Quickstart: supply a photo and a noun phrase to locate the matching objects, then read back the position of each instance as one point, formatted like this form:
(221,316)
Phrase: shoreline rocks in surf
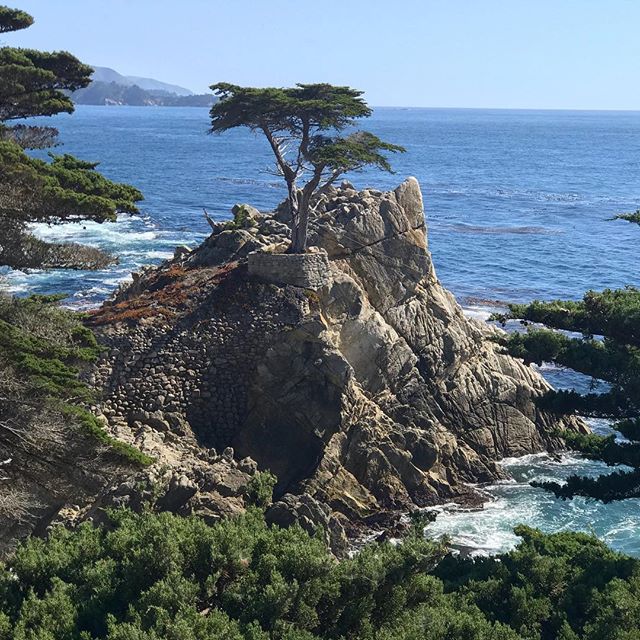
(372,394)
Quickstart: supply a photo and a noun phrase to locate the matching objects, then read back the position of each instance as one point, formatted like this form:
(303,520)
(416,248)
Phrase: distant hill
(108,87)
(104,74)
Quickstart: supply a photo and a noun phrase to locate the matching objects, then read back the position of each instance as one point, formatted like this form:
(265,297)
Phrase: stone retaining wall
(198,366)
(306,270)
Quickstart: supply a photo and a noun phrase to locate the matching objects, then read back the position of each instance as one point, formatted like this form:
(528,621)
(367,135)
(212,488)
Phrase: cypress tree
(303,125)
(32,84)
(607,348)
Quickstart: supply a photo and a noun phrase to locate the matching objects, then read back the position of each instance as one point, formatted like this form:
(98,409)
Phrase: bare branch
(332,178)
(209,219)
(19,433)
(288,173)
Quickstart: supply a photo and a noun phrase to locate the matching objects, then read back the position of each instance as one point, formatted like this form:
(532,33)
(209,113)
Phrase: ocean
(517,206)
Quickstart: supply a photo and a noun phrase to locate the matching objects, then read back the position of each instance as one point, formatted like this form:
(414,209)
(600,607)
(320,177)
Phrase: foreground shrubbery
(43,348)
(161,576)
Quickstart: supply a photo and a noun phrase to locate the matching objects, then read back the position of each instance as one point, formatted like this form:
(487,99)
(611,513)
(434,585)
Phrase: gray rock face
(311,515)
(372,393)
(186,478)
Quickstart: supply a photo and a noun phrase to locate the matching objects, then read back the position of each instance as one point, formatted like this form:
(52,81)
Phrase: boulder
(180,490)
(312,516)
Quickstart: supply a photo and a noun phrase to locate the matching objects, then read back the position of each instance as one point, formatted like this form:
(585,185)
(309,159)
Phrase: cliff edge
(349,372)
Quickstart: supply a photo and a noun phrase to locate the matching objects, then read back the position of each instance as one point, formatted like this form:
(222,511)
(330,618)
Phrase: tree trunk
(303,228)
(299,210)
(299,230)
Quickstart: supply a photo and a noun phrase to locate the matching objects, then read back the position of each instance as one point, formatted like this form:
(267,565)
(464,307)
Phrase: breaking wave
(490,530)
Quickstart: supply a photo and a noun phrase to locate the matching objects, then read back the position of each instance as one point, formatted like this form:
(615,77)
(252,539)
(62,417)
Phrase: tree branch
(209,219)
(287,171)
(303,149)
(336,173)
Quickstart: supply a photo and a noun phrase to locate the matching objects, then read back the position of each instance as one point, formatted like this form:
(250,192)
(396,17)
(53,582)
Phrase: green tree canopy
(34,83)
(304,126)
(13,19)
(629,217)
(609,350)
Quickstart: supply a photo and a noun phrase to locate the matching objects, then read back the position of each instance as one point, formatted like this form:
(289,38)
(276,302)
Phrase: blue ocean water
(516,201)
(517,206)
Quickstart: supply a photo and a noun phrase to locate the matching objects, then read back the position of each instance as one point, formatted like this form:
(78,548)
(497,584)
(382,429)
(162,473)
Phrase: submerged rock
(370,392)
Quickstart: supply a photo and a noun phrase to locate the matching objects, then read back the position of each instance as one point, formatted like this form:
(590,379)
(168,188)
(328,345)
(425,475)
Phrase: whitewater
(517,207)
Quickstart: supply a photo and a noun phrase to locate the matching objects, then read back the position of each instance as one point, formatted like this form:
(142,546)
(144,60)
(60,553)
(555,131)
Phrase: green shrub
(156,576)
(259,491)
(43,349)
(241,218)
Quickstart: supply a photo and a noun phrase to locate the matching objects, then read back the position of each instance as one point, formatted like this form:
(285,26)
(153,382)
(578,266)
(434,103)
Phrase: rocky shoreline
(350,373)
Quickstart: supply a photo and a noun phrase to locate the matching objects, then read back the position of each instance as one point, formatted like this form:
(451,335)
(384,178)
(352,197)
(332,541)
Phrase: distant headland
(110,88)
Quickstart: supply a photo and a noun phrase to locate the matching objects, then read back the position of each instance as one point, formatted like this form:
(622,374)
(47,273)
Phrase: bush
(153,576)
(43,349)
(241,218)
(259,491)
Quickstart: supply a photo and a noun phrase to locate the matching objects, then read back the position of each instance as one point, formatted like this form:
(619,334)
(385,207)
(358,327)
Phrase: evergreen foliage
(629,217)
(260,489)
(609,350)
(566,585)
(304,126)
(35,83)
(13,20)
(43,349)
(612,312)
(160,576)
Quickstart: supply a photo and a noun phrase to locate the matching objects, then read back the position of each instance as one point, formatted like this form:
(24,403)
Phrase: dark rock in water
(373,393)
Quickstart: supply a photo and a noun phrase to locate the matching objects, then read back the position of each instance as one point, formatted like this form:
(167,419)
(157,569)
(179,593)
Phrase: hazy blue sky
(431,53)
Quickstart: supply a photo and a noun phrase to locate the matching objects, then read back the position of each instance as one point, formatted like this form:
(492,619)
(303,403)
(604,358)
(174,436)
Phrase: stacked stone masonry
(199,366)
(307,270)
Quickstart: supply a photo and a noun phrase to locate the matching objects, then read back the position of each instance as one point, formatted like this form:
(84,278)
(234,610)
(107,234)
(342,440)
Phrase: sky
(536,54)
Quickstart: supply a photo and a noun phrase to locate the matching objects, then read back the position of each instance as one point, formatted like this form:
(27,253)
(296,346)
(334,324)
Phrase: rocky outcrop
(52,470)
(185,477)
(370,393)
(312,516)
(65,476)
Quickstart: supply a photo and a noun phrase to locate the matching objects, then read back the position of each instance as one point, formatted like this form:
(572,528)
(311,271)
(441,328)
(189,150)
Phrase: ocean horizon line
(523,109)
(404,107)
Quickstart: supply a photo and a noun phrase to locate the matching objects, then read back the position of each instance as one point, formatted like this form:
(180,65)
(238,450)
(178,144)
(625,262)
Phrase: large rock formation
(368,390)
